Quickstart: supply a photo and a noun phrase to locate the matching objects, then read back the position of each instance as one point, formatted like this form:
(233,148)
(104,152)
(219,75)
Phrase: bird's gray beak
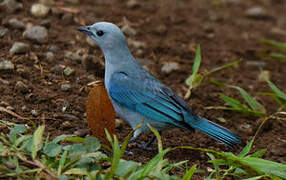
(85,29)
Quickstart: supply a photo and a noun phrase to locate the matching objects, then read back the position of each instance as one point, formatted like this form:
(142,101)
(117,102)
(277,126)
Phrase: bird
(139,97)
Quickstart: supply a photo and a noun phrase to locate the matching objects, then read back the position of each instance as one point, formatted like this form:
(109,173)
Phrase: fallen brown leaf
(99,112)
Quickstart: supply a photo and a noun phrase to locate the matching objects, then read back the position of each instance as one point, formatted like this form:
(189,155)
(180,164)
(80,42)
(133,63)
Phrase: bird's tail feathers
(216,131)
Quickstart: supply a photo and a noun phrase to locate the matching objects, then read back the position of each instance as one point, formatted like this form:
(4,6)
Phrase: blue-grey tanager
(137,96)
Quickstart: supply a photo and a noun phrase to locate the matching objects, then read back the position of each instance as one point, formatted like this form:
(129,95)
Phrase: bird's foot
(144,146)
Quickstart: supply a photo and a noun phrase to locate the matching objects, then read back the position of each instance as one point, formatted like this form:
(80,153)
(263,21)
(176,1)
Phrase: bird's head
(106,35)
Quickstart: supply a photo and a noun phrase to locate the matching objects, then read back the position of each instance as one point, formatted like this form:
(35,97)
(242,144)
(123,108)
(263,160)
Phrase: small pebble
(256,12)
(10,108)
(20,86)
(16,24)
(67,18)
(65,87)
(24,108)
(50,56)
(81,132)
(19,48)
(129,31)
(34,113)
(73,56)
(168,67)
(53,48)
(40,10)
(57,69)
(6,65)
(68,71)
(118,123)
(3,32)
(67,124)
(161,29)
(38,34)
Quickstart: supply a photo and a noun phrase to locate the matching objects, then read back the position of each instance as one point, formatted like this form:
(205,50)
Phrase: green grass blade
(246,149)
(190,173)
(159,139)
(62,162)
(216,167)
(276,90)
(228,65)
(234,103)
(275,44)
(278,56)
(252,102)
(37,140)
(197,61)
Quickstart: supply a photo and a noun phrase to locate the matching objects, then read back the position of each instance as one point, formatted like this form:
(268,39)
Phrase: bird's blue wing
(146,97)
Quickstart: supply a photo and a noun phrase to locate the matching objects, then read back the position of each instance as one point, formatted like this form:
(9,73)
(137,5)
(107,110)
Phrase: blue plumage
(138,97)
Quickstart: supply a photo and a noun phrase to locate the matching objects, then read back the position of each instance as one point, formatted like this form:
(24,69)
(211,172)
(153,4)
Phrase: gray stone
(50,56)
(40,10)
(3,32)
(168,67)
(38,34)
(16,24)
(73,56)
(19,48)
(6,65)
(256,12)
(34,113)
(68,71)
(65,87)
(81,132)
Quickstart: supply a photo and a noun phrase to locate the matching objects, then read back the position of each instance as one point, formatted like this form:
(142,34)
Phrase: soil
(170,30)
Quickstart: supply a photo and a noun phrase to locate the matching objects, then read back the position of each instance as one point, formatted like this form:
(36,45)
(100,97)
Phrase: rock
(50,56)
(67,124)
(40,10)
(38,34)
(133,3)
(6,65)
(90,42)
(16,24)
(136,44)
(3,32)
(81,132)
(73,56)
(19,48)
(256,13)
(21,87)
(65,87)
(12,5)
(168,67)
(129,31)
(68,71)
(34,113)
(118,123)
(247,128)
(57,69)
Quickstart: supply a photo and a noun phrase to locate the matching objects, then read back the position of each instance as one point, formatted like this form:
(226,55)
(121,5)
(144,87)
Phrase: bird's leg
(147,146)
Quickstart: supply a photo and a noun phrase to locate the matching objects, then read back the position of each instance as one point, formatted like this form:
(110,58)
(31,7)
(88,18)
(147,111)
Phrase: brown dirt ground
(220,27)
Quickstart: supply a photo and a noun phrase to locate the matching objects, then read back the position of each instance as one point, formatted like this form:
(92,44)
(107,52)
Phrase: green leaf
(259,153)
(91,144)
(17,129)
(22,139)
(158,137)
(37,141)
(216,167)
(62,162)
(276,44)
(52,149)
(228,65)
(246,149)
(190,173)
(278,56)
(276,90)
(2,147)
(197,61)
(252,102)
(63,137)
(126,167)
(76,150)
(233,102)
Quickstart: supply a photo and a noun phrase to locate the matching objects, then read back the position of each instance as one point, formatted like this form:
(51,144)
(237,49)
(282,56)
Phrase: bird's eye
(99,33)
